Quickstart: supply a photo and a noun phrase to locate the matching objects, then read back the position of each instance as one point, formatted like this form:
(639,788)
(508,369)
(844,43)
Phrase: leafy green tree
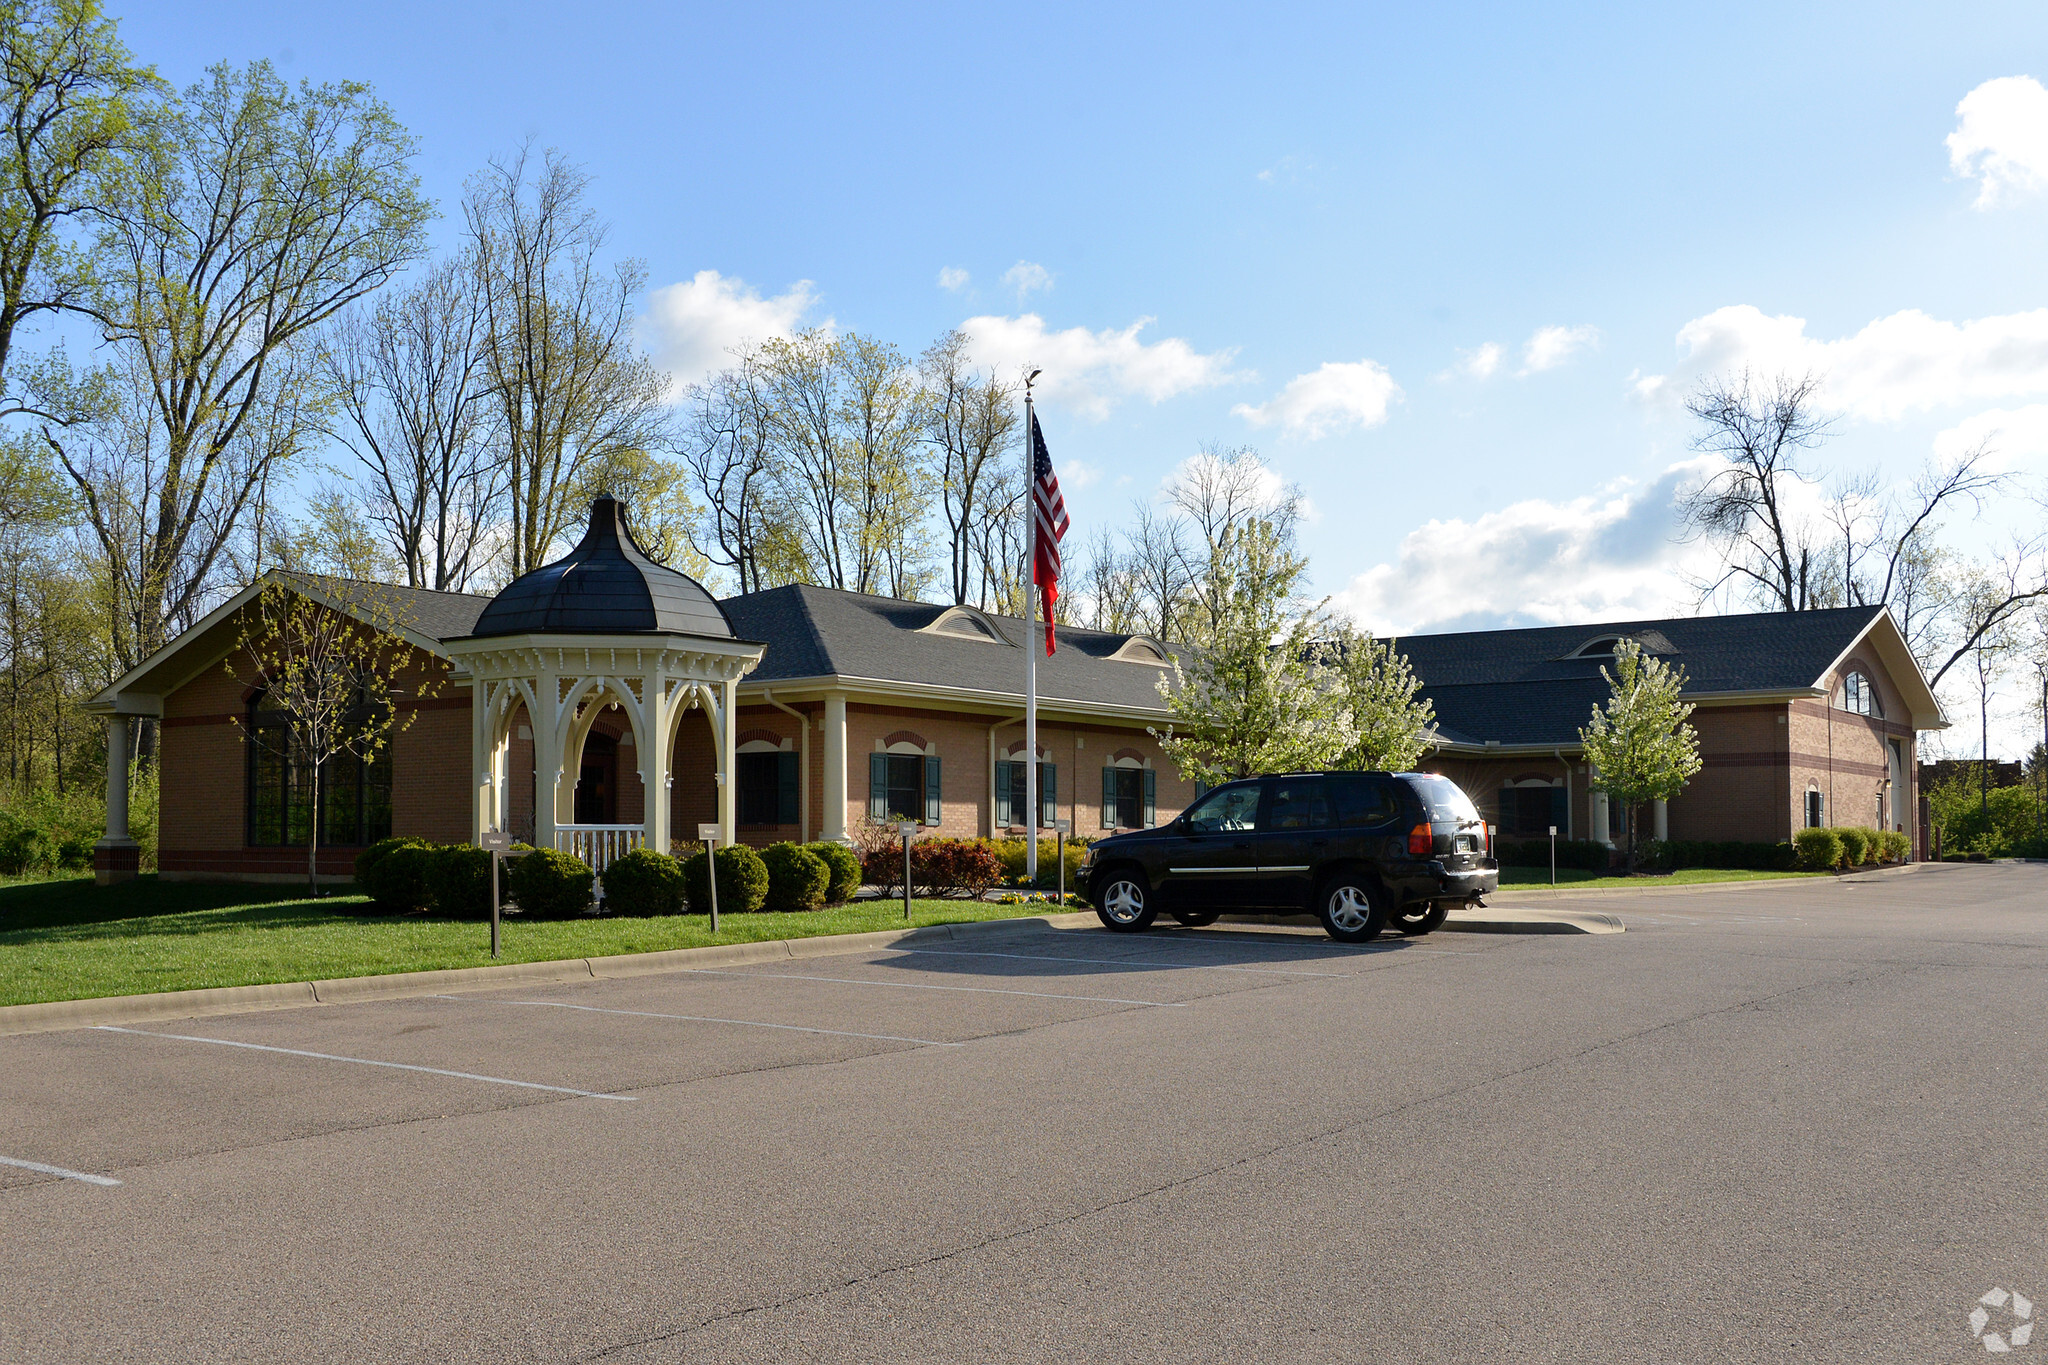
(1260,691)
(1639,743)
(1391,725)
(72,101)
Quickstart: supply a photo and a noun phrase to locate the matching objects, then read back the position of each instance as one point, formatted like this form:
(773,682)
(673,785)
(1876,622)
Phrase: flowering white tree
(1639,743)
(1391,725)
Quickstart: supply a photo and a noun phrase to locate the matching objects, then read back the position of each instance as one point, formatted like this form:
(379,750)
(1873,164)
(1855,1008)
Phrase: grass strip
(72,940)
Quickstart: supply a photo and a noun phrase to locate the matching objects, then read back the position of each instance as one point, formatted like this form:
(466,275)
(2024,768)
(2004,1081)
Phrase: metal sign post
(908,829)
(708,836)
(497,841)
(1059,834)
(1553,855)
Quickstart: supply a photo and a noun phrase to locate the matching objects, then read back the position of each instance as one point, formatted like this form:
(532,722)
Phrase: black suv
(1357,849)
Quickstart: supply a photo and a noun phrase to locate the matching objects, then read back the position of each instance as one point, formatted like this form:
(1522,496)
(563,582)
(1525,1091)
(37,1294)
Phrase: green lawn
(1649,881)
(70,940)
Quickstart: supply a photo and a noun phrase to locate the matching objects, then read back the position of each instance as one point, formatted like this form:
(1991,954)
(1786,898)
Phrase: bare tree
(1221,491)
(1108,584)
(1991,601)
(971,420)
(1160,570)
(1760,430)
(725,443)
(413,404)
(571,387)
(261,214)
(807,403)
(888,494)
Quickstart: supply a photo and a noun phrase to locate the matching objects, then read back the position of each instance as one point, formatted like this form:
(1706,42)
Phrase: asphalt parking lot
(1765,1124)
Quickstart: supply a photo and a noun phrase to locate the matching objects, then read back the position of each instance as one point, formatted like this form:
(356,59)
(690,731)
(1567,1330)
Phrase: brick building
(828,709)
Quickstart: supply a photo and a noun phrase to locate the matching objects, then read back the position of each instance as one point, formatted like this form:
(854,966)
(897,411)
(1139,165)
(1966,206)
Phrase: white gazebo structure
(603,626)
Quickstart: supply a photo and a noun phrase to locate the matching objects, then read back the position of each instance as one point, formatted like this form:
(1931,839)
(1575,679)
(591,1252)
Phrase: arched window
(355,795)
(1859,694)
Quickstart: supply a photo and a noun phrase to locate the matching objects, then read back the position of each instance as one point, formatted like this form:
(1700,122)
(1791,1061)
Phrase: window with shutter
(1008,778)
(932,809)
(878,786)
(1151,798)
(1048,794)
(787,797)
(1109,798)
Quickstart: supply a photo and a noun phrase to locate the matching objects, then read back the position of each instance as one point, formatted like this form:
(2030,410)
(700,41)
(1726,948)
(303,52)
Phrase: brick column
(116,857)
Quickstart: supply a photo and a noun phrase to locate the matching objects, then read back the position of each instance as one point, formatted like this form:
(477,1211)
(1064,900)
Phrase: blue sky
(1619,199)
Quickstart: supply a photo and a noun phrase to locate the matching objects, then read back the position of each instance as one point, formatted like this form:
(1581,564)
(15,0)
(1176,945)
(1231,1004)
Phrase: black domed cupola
(606,585)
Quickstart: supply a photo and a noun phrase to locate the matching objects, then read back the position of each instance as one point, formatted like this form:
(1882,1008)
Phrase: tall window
(1816,812)
(904,787)
(355,796)
(1013,803)
(1860,696)
(768,789)
(1531,811)
(1129,798)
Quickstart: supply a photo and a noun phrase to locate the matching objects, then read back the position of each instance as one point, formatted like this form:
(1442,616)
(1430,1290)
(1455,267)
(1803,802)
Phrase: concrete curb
(1510,895)
(1510,920)
(52,1015)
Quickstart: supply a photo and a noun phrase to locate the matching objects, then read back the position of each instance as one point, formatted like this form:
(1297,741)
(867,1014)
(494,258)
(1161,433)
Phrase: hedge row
(405,875)
(1663,855)
(1822,850)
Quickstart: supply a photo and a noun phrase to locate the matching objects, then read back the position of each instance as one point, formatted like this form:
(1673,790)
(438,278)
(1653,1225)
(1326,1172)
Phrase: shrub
(1855,844)
(844,865)
(797,878)
(1898,845)
(396,877)
(958,867)
(1011,853)
(1588,855)
(742,881)
(459,880)
(550,884)
(644,882)
(1819,849)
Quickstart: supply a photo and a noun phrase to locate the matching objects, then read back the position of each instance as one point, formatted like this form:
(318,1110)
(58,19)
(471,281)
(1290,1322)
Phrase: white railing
(599,845)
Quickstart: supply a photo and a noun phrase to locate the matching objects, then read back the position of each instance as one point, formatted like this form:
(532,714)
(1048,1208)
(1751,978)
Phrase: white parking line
(1117,962)
(707,1019)
(927,986)
(58,1170)
(367,1061)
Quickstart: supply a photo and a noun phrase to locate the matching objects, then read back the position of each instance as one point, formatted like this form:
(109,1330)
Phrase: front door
(597,799)
(1210,863)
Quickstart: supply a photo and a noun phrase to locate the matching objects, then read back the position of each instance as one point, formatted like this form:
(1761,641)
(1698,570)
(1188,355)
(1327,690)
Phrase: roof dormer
(966,623)
(1142,649)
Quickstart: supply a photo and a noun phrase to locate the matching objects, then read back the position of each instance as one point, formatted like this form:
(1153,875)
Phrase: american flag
(1048,525)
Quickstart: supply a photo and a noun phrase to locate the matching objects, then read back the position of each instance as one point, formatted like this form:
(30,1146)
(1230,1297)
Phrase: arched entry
(597,781)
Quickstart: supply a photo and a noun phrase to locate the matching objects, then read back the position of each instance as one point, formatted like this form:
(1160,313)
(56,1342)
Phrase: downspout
(803,746)
(1568,812)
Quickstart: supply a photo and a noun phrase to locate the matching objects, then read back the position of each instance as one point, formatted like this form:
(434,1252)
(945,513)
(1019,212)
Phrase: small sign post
(708,835)
(1553,855)
(908,829)
(1059,834)
(497,841)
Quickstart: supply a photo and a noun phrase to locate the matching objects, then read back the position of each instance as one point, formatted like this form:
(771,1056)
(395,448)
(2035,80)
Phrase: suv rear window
(1443,798)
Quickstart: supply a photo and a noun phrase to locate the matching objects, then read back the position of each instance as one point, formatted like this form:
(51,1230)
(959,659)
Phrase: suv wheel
(1353,909)
(1125,903)
(1417,920)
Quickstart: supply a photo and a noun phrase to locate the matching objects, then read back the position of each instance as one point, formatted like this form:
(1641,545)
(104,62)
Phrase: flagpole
(1030,637)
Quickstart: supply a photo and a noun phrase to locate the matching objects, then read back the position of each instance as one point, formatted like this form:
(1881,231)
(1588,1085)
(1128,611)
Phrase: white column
(654,767)
(728,758)
(1601,830)
(115,855)
(834,822)
(547,759)
(1660,820)
(483,759)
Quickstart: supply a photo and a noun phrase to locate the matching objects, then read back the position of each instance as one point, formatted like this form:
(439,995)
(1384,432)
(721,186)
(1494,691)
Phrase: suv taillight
(1421,842)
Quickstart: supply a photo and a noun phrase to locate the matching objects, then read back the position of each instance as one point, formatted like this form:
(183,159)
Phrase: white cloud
(1898,364)
(1337,397)
(691,327)
(2017,437)
(952,278)
(1481,361)
(2001,138)
(1609,555)
(1026,277)
(1092,370)
(1078,474)
(1549,347)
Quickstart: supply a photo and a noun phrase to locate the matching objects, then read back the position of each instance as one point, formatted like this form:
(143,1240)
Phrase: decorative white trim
(980,628)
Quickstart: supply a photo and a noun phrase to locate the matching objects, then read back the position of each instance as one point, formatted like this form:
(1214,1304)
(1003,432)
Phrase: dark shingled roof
(606,585)
(1522,686)
(812,632)
(436,615)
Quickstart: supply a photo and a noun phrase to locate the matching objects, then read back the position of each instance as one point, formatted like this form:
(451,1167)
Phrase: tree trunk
(313,839)
(1628,825)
